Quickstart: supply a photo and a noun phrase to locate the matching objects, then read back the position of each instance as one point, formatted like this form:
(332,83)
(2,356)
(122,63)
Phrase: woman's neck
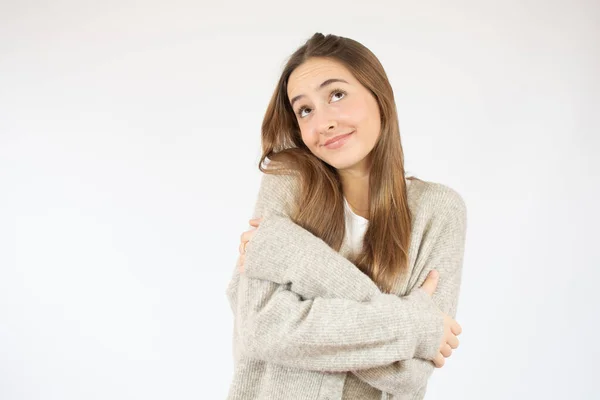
(356,191)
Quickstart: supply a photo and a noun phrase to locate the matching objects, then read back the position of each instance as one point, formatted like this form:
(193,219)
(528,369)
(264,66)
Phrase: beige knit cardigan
(309,325)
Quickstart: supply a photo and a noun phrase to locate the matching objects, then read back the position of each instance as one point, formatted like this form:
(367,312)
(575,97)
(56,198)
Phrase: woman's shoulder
(435,199)
(277,193)
(280,184)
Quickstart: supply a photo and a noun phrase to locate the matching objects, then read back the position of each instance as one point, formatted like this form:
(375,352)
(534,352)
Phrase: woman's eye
(332,94)
(300,111)
(339,92)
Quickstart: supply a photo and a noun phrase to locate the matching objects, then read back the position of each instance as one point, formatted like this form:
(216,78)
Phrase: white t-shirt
(356,226)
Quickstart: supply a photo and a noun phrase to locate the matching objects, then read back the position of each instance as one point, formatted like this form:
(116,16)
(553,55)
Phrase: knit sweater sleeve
(407,379)
(305,275)
(324,333)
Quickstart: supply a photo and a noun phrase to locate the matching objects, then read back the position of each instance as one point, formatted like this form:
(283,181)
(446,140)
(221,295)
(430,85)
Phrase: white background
(129,138)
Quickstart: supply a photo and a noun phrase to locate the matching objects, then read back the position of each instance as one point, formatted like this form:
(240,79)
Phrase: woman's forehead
(310,75)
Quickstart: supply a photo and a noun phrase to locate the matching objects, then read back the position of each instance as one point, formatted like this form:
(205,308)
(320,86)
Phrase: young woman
(332,295)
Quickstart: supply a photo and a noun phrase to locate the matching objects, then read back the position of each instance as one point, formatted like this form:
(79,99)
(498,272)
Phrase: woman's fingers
(456,328)
(244,239)
(431,282)
(440,359)
(247,235)
(453,342)
(446,350)
(255,221)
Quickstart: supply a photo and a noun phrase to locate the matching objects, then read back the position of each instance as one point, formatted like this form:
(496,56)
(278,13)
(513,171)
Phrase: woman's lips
(338,141)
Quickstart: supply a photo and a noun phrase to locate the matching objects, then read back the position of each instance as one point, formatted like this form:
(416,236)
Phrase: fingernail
(433,274)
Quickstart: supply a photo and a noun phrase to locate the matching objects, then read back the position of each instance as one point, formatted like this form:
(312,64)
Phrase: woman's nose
(326,123)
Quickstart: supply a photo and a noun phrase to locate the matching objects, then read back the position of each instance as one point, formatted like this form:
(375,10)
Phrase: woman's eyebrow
(321,86)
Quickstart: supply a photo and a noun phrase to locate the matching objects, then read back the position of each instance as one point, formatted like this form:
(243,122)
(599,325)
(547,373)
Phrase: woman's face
(326,108)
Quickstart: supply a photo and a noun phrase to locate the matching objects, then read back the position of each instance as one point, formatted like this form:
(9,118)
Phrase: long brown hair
(384,255)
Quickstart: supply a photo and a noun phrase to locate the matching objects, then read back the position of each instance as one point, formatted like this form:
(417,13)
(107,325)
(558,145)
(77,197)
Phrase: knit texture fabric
(308,324)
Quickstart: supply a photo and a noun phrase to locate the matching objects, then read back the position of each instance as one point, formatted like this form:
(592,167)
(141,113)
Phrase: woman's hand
(451,328)
(246,236)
